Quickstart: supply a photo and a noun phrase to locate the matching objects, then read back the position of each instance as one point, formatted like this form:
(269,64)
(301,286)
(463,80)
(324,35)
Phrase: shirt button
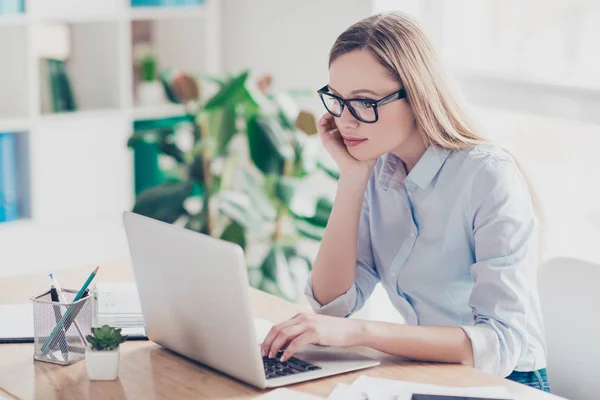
(412,235)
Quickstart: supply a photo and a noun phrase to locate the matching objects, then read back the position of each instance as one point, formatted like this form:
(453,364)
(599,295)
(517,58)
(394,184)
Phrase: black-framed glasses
(364,110)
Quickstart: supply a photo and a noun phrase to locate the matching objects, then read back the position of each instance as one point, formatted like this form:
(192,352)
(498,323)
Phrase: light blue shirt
(454,243)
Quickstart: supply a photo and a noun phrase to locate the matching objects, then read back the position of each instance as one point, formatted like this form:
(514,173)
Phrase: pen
(57,316)
(64,300)
(52,336)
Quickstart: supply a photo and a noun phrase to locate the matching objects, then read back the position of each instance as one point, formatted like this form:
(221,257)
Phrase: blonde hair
(400,46)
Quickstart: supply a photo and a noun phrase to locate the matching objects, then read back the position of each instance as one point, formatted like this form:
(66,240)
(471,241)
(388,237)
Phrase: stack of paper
(367,387)
(117,304)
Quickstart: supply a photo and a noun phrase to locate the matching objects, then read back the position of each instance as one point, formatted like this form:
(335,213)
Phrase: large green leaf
(222,127)
(229,93)
(322,212)
(163,202)
(235,233)
(285,190)
(239,208)
(269,144)
(276,268)
(307,151)
(256,192)
(309,230)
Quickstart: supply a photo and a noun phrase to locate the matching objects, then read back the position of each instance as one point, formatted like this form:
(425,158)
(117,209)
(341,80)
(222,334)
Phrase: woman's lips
(351,142)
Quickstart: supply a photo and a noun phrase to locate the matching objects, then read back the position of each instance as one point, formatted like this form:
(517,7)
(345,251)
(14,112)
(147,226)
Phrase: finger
(325,123)
(296,344)
(266,344)
(284,337)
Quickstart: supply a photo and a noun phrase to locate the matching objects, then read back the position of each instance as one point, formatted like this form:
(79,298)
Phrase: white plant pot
(151,93)
(102,365)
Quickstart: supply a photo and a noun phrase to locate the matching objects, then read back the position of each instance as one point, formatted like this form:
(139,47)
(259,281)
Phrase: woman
(425,206)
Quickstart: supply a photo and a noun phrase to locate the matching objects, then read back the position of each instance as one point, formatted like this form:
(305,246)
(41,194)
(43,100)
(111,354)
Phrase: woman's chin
(362,154)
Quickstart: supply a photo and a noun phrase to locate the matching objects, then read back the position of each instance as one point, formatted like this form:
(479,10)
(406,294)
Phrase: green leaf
(167,146)
(229,93)
(269,144)
(197,166)
(256,192)
(238,207)
(329,167)
(222,126)
(270,286)
(307,151)
(276,268)
(143,136)
(212,78)
(285,190)
(322,212)
(163,202)
(309,230)
(235,233)
(255,277)
(165,78)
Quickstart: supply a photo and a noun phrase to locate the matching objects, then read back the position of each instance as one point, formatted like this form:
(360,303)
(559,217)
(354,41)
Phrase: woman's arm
(425,343)
(334,269)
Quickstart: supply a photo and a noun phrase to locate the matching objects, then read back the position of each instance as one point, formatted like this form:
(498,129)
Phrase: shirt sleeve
(505,239)
(366,276)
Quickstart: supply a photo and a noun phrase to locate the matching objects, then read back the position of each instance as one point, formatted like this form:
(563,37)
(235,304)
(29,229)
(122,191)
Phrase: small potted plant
(150,90)
(102,356)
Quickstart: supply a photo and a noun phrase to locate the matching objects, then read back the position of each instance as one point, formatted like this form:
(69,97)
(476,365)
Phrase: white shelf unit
(74,167)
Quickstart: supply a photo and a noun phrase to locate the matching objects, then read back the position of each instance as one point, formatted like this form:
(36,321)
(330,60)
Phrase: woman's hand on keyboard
(307,328)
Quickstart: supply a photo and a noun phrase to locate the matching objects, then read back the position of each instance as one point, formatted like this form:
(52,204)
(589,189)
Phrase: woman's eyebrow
(356,91)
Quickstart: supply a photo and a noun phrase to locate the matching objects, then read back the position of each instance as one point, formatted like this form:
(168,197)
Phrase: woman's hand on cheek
(334,144)
(305,329)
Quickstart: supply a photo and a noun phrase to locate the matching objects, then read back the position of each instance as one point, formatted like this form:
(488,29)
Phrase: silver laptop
(195,299)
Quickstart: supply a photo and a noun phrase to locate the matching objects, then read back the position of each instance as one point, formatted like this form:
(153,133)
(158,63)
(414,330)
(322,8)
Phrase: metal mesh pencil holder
(60,329)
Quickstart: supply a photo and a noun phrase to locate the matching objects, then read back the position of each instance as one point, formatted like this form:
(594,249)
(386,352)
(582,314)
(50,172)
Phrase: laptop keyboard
(274,368)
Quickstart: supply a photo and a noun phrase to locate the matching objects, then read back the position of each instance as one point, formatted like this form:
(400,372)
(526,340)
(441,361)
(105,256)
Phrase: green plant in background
(106,338)
(238,174)
(148,63)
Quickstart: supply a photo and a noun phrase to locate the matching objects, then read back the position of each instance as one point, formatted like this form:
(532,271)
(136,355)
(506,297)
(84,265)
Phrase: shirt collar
(423,172)
(428,166)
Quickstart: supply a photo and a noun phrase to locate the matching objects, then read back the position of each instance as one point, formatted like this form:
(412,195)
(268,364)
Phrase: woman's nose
(347,119)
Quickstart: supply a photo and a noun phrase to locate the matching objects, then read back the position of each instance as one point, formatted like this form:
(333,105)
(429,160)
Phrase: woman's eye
(366,104)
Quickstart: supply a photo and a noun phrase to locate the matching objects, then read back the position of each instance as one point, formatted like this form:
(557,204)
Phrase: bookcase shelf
(167,12)
(75,171)
(13,77)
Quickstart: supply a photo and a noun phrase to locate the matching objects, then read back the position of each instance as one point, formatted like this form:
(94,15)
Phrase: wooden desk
(148,371)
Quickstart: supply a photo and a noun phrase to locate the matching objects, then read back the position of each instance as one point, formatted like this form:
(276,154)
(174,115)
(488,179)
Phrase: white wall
(289,39)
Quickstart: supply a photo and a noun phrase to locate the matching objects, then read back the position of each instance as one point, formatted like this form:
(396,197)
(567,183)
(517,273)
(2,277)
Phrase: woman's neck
(411,151)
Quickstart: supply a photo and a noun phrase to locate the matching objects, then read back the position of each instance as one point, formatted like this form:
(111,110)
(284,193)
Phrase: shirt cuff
(341,306)
(486,347)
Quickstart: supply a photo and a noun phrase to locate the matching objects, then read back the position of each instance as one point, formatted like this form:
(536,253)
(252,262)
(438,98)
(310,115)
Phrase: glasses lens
(332,104)
(364,110)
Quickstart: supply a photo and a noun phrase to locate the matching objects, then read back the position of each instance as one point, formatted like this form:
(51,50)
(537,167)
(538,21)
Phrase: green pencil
(66,315)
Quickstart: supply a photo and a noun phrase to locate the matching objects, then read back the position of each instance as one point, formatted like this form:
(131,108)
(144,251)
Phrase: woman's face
(358,74)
